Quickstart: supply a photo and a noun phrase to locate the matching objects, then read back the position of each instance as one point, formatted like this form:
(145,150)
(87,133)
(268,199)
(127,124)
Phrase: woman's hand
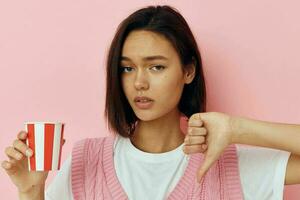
(209,133)
(17,166)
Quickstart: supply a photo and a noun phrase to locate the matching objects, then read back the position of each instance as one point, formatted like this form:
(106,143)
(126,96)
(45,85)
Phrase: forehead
(140,44)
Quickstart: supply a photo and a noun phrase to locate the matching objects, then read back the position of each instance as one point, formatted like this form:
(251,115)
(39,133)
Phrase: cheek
(170,92)
(126,88)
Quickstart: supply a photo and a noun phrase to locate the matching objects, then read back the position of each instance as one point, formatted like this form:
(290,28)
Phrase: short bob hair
(168,22)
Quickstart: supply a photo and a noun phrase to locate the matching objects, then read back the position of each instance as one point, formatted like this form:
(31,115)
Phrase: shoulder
(87,149)
(91,143)
(260,158)
(89,157)
(257,153)
(262,171)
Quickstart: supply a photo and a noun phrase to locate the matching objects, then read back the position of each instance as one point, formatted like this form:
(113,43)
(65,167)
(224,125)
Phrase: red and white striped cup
(46,140)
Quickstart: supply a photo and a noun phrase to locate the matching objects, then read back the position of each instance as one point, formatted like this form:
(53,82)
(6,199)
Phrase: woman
(155,79)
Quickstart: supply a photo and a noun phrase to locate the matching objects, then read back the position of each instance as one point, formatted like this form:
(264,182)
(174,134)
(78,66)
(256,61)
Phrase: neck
(159,135)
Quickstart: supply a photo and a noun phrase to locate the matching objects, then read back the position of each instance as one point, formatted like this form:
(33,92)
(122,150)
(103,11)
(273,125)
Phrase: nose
(141,81)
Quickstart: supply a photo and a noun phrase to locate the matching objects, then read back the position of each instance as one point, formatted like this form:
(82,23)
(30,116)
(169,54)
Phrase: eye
(123,69)
(158,67)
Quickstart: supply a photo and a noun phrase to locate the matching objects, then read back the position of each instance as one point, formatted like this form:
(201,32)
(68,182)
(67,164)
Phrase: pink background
(52,56)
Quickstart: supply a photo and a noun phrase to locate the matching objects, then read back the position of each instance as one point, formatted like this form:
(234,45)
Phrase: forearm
(266,134)
(36,193)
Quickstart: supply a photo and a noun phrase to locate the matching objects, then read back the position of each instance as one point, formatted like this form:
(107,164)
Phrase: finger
(12,153)
(12,160)
(191,149)
(22,135)
(209,160)
(197,131)
(193,140)
(9,168)
(22,147)
(5,164)
(195,120)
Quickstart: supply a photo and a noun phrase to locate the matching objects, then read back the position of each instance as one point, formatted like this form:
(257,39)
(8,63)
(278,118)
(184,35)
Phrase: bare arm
(272,135)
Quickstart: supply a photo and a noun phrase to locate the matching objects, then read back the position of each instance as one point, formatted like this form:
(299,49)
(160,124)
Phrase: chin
(146,115)
(150,114)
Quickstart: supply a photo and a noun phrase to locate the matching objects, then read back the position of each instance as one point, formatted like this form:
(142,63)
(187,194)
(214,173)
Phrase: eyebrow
(149,58)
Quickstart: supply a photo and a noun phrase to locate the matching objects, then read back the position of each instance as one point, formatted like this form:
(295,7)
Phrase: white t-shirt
(262,172)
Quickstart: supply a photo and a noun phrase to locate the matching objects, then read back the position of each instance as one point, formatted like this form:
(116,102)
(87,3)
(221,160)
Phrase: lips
(142,99)
(143,102)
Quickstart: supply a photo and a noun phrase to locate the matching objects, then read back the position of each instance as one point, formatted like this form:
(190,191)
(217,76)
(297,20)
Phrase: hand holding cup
(20,157)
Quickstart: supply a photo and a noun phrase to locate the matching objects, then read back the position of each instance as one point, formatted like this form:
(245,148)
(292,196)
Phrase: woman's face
(160,78)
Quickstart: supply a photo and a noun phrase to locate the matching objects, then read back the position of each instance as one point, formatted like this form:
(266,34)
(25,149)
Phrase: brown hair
(168,22)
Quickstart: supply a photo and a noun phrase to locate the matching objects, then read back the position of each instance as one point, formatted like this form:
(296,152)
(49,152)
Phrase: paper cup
(45,139)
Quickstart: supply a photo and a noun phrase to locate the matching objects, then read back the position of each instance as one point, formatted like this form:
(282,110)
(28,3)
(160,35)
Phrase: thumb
(208,162)
(64,141)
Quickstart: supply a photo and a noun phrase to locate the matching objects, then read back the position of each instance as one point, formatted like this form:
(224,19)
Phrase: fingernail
(199,179)
(28,152)
(19,156)
(7,165)
(183,148)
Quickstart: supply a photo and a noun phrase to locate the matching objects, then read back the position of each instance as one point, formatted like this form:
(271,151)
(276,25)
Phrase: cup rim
(43,122)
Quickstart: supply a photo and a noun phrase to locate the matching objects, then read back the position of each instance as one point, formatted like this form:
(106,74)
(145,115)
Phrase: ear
(189,72)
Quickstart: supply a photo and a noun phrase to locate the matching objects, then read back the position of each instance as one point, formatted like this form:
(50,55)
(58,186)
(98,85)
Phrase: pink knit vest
(94,176)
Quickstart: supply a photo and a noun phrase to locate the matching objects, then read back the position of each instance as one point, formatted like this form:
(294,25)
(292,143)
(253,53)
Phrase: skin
(209,133)
(223,130)
(158,129)
(30,184)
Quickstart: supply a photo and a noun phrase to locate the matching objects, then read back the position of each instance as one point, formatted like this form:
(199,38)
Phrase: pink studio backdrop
(52,57)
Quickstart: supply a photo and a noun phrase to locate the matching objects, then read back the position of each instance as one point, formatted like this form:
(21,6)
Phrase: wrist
(236,129)
(36,192)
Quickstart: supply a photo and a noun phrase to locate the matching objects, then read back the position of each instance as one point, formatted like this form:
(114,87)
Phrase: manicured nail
(28,152)
(7,165)
(199,179)
(19,156)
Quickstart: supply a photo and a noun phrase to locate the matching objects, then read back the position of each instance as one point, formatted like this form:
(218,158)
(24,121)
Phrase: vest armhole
(231,176)
(79,152)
